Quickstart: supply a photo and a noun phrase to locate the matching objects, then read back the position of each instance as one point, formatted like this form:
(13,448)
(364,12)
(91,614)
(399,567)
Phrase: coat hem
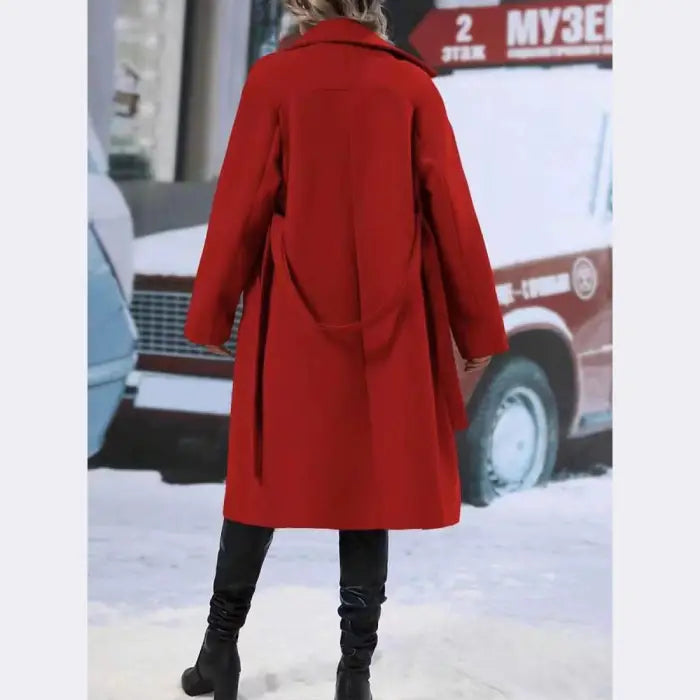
(311,524)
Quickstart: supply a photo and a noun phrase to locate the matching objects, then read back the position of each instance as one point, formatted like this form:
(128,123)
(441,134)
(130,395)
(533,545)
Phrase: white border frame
(43,140)
(656,473)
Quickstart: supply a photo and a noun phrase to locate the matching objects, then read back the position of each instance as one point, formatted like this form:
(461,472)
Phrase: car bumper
(106,385)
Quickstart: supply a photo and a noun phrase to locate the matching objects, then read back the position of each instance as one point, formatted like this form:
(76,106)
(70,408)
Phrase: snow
(173,392)
(289,650)
(514,602)
(175,252)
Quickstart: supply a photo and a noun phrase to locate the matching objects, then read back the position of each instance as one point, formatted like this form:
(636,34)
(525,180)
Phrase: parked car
(536,146)
(111,331)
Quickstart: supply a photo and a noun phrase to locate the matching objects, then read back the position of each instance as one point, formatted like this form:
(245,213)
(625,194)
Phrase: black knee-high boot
(242,551)
(363,572)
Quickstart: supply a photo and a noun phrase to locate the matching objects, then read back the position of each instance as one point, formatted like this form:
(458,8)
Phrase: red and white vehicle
(535,143)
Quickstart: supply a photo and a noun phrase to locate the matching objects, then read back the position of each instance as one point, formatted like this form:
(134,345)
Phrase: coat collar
(341,30)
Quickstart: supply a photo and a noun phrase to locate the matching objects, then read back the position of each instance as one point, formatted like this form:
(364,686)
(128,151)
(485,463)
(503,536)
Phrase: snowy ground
(514,602)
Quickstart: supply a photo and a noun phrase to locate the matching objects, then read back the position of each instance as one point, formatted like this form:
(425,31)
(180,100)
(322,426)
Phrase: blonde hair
(308,13)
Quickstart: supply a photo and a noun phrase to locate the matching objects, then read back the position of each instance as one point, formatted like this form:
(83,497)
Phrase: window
(265,25)
(146,102)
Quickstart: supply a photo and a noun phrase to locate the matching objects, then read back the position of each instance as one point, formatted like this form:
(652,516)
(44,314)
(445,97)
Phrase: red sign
(541,32)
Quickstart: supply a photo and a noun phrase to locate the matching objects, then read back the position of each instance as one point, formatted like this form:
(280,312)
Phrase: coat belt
(424,252)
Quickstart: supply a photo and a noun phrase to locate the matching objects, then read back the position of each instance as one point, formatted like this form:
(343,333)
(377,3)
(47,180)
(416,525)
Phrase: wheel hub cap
(518,444)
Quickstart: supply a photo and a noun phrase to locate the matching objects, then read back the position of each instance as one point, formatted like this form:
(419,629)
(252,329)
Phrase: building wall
(217,67)
(180,136)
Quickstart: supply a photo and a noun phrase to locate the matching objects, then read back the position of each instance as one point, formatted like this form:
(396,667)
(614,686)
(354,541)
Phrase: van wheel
(513,437)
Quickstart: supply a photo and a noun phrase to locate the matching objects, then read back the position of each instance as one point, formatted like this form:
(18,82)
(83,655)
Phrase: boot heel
(217,669)
(227,688)
(229,673)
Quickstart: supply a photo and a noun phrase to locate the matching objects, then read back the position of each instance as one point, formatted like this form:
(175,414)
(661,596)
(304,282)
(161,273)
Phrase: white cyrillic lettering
(523,28)
(479,52)
(608,22)
(464,22)
(549,18)
(595,20)
(573,33)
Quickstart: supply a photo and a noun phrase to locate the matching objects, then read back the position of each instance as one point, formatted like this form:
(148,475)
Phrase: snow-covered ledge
(172,253)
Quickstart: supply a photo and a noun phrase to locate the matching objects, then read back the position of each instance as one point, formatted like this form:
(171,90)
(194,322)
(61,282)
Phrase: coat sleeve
(241,213)
(475,315)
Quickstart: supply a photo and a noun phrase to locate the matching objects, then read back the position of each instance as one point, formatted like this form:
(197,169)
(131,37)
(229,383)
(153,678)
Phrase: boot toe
(193,684)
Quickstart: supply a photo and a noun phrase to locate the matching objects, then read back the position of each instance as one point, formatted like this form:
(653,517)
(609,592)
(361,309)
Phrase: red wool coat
(343,215)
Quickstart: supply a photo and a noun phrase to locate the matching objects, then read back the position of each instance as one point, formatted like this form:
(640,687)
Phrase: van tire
(512,441)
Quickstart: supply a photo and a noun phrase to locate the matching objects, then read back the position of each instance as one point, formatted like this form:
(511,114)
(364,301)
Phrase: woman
(343,216)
